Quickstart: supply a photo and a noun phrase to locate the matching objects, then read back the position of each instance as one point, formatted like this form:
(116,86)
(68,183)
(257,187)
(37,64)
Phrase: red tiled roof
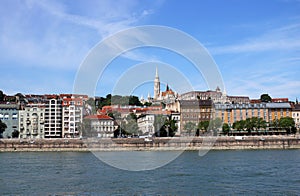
(99,117)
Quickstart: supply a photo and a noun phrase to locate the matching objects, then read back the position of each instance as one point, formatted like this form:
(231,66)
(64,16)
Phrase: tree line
(253,124)
(256,124)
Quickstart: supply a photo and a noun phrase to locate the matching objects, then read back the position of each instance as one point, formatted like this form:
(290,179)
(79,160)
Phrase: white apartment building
(72,114)
(53,118)
(296,115)
(101,126)
(146,123)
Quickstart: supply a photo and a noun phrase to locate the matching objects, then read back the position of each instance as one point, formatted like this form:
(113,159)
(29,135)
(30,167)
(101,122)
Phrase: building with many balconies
(32,121)
(53,117)
(72,114)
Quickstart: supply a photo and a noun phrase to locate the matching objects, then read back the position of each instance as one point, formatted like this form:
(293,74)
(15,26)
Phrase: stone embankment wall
(197,143)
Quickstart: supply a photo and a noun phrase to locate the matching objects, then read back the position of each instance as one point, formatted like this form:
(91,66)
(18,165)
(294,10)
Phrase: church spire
(156,85)
(156,73)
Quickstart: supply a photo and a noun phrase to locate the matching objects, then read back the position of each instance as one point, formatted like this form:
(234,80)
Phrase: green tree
(159,121)
(225,129)
(261,124)
(287,123)
(85,128)
(131,126)
(171,127)
(239,125)
(15,134)
(114,114)
(275,124)
(118,130)
(91,102)
(249,125)
(216,123)
(203,125)
(147,104)
(265,98)
(189,127)
(2,128)
(2,95)
(134,100)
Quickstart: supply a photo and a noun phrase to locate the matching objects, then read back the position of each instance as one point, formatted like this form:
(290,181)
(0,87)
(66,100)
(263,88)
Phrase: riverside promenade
(155,144)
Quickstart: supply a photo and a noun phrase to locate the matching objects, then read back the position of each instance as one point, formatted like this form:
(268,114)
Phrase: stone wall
(197,143)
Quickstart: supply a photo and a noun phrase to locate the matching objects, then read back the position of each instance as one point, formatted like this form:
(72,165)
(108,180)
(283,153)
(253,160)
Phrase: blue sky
(256,44)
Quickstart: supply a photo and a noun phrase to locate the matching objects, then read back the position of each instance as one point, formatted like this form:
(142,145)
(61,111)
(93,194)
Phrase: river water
(247,172)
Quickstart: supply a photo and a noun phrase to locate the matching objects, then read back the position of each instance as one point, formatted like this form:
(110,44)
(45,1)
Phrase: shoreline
(152,144)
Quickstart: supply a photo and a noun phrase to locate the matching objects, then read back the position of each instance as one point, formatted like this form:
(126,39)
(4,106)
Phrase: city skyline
(255,44)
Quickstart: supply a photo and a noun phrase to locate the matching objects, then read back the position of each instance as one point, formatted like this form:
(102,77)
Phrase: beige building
(216,96)
(31,121)
(230,113)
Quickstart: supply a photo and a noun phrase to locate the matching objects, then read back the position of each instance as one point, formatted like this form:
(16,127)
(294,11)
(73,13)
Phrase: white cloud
(53,34)
(283,38)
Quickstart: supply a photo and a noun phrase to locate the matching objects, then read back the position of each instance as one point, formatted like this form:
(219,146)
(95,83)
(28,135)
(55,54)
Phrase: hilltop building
(167,96)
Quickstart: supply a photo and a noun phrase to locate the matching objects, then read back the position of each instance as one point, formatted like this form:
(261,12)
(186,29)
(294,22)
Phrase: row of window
(7,116)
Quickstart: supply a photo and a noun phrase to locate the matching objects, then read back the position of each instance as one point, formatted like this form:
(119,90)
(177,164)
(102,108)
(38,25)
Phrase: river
(250,172)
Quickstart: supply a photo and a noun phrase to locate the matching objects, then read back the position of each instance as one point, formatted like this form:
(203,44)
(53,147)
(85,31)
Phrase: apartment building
(230,113)
(53,117)
(195,111)
(9,115)
(145,123)
(72,113)
(296,115)
(32,121)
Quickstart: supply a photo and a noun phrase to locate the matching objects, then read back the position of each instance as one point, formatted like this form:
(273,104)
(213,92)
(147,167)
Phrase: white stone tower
(156,86)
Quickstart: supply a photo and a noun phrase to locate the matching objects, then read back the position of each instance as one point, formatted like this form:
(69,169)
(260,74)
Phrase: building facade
(231,113)
(145,123)
(72,110)
(102,126)
(9,115)
(216,96)
(53,118)
(296,115)
(195,111)
(32,121)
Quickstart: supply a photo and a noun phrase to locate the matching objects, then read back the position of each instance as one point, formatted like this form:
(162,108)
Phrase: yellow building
(230,113)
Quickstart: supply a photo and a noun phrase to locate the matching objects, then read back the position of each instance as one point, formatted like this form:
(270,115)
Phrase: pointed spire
(167,89)
(296,100)
(156,73)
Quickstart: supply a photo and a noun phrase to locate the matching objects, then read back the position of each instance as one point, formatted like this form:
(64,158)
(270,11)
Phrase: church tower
(156,86)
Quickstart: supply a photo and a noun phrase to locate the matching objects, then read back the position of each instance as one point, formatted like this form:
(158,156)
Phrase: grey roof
(8,106)
(296,107)
(278,105)
(195,102)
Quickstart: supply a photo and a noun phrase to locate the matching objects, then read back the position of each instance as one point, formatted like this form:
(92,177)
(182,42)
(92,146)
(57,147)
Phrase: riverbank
(156,144)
